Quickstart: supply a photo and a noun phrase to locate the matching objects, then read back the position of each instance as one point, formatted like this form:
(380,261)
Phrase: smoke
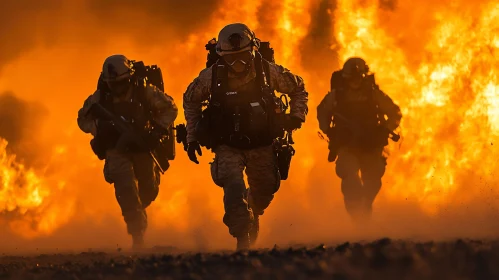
(23,23)
(319,43)
(28,24)
(53,54)
(152,21)
(20,122)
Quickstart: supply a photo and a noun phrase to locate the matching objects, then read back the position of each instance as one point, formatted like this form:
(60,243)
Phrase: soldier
(236,126)
(357,108)
(134,173)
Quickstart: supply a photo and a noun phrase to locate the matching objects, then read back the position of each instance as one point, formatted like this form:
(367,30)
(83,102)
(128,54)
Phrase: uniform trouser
(136,181)
(359,191)
(260,165)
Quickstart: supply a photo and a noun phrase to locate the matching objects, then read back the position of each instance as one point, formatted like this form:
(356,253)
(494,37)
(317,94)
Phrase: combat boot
(243,242)
(255,228)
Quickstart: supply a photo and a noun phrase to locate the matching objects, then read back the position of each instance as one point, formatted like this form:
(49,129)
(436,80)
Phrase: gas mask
(355,82)
(239,63)
(120,87)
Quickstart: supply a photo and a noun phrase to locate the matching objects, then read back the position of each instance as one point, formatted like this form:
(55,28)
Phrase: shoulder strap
(262,68)
(219,76)
(266,69)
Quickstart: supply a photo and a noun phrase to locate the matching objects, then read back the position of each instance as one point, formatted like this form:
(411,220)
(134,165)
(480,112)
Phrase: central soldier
(240,125)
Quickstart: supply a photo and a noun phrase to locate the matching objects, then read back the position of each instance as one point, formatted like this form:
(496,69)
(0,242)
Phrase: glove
(292,123)
(192,148)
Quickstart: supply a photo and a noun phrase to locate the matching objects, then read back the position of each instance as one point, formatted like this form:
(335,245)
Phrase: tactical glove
(192,148)
(292,123)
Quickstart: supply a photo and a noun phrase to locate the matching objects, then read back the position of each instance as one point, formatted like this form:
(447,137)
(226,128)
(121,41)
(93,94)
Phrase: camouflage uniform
(260,163)
(359,191)
(135,176)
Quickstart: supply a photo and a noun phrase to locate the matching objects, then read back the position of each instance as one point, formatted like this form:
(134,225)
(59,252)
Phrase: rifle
(128,135)
(357,131)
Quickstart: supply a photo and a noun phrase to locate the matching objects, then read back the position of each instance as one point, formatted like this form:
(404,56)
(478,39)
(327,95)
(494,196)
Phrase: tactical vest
(134,110)
(362,111)
(241,117)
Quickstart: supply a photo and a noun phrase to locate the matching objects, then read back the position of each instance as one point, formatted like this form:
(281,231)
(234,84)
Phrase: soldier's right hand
(191,151)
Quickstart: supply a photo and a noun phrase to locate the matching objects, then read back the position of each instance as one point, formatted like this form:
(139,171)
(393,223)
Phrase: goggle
(232,58)
(119,83)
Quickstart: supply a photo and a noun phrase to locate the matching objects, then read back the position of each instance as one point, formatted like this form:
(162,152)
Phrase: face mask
(355,82)
(119,88)
(239,62)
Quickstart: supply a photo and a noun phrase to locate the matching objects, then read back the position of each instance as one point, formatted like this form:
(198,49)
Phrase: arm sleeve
(388,108)
(86,121)
(162,105)
(197,92)
(325,111)
(283,81)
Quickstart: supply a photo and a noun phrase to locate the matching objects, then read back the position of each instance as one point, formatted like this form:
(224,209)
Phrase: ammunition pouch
(162,144)
(105,139)
(163,140)
(98,148)
(284,155)
(162,156)
(206,131)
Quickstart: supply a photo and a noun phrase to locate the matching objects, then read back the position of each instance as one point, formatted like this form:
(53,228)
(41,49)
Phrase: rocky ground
(383,259)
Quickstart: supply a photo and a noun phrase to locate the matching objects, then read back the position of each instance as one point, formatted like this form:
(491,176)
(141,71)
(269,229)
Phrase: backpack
(265,50)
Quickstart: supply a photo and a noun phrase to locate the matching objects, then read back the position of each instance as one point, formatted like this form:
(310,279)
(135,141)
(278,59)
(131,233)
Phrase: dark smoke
(20,23)
(390,5)
(20,122)
(318,56)
(172,17)
(26,24)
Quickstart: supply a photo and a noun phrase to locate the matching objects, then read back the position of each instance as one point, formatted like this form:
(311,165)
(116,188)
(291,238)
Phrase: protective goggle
(244,57)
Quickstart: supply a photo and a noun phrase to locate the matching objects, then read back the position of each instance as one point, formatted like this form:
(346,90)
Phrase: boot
(243,242)
(255,228)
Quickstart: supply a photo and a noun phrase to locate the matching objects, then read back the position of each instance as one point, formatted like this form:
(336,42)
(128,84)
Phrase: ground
(382,259)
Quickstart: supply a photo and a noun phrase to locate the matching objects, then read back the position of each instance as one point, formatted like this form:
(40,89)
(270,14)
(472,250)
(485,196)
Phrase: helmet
(235,38)
(236,45)
(354,67)
(116,68)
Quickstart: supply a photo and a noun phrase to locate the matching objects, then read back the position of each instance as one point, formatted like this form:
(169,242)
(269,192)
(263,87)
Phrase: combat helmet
(354,67)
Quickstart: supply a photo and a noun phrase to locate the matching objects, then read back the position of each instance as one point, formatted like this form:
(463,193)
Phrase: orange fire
(450,98)
(439,62)
(26,198)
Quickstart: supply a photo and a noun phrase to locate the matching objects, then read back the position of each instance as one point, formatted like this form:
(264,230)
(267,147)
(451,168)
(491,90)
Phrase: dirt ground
(381,259)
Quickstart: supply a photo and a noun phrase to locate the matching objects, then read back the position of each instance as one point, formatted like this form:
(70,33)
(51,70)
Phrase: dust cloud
(52,55)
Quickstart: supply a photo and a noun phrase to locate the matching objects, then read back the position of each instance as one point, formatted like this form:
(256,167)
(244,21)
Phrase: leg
(263,178)
(148,177)
(347,168)
(227,172)
(264,182)
(372,166)
(119,170)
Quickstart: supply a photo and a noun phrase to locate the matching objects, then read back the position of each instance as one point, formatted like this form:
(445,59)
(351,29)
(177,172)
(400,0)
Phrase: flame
(437,61)
(24,196)
(449,100)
